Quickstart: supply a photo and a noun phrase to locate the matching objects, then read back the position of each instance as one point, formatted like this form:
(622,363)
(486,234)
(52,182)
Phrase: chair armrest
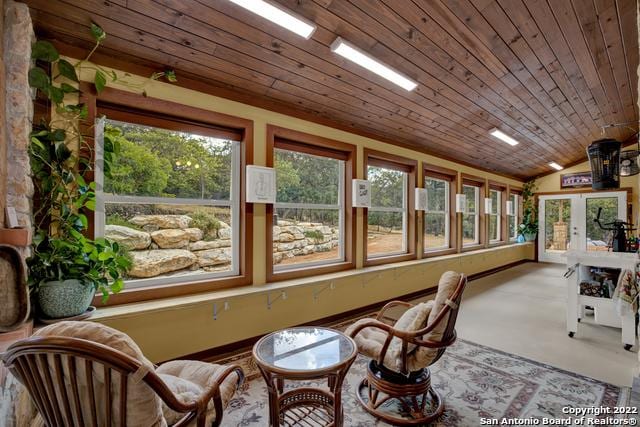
(198,408)
(214,390)
(390,305)
(374,323)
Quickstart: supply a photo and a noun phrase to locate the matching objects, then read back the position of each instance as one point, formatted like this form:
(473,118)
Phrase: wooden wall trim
(317,144)
(410,167)
(451,176)
(171,109)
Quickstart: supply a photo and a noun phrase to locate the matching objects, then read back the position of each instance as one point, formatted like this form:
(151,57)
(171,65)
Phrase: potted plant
(67,267)
(529,227)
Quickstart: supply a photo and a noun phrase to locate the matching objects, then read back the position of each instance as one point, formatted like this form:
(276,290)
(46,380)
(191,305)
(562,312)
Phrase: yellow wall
(551,183)
(166,331)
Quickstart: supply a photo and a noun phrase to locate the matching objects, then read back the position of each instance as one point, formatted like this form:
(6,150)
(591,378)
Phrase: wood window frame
(481,183)
(392,161)
(503,188)
(511,191)
(190,117)
(279,137)
(451,176)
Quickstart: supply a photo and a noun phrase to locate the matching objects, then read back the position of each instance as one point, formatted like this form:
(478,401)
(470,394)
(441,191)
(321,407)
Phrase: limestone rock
(285,237)
(195,234)
(211,257)
(203,245)
(284,247)
(156,262)
(224,233)
(325,247)
(292,229)
(170,239)
(161,221)
(277,257)
(127,237)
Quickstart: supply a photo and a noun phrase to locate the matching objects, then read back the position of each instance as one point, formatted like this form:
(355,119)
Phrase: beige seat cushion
(446,287)
(189,379)
(143,405)
(371,340)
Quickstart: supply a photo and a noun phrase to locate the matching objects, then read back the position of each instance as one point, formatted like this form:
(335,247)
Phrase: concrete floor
(522,311)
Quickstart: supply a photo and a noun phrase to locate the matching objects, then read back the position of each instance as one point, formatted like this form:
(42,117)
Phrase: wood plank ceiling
(549,73)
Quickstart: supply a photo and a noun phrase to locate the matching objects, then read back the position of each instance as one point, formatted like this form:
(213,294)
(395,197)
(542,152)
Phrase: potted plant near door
(67,267)
(529,227)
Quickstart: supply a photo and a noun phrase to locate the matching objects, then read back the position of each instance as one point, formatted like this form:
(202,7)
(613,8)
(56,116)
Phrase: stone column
(18,109)
(3,145)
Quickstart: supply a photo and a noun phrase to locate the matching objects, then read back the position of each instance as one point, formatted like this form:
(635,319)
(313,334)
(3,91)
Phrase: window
(436,217)
(309,211)
(439,220)
(390,218)
(471,216)
(513,216)
(495,216)
(172,198)
(310,225)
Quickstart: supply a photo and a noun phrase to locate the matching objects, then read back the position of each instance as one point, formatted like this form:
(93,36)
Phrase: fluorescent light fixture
(352,53)
(556,166)
(278,16)
(497,133)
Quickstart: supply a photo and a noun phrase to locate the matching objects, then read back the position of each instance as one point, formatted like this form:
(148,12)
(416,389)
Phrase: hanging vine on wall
(529,224)
(60,159)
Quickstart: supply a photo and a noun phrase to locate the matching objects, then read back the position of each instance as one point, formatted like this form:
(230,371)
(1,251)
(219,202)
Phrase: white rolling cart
(604,308)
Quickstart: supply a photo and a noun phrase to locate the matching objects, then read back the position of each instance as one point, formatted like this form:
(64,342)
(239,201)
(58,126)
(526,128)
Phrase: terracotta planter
(62,299)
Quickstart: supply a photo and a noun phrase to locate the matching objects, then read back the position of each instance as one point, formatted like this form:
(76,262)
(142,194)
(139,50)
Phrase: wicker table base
(308,406)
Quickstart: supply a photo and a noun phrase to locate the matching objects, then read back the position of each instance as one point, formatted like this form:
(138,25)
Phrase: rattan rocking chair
(400,359)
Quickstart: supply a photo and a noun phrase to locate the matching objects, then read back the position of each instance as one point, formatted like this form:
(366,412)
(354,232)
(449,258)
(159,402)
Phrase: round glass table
(305,353)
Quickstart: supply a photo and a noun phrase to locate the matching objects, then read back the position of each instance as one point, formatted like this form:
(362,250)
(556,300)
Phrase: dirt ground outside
(380,243)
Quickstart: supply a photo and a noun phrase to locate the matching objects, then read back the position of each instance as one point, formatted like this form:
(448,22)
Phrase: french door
(566,222)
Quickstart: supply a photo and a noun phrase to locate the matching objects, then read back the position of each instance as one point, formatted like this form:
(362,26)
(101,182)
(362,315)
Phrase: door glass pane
(557,225)
(597,238)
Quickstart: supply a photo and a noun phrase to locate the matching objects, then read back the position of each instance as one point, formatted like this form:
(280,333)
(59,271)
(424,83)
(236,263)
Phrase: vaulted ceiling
(549,73)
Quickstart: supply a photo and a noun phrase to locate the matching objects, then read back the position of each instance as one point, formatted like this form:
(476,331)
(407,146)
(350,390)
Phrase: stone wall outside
(169,244)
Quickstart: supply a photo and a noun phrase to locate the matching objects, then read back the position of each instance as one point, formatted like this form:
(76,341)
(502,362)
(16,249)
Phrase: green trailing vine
(60,159)
(529,209)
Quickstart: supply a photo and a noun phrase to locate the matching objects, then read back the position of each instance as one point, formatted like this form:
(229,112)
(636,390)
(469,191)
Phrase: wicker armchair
(87,374)
(402,353)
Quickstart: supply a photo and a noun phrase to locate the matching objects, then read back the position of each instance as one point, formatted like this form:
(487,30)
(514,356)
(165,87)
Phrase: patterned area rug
(476,382)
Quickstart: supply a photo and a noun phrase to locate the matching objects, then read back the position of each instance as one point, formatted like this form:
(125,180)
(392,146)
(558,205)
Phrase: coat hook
(283,296)
(324,288)
(215,309)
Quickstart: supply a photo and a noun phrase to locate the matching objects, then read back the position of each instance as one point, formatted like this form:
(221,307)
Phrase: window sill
(439,252)
(389,259)
(220,296)
(496,243)
(472,247)
(306,271)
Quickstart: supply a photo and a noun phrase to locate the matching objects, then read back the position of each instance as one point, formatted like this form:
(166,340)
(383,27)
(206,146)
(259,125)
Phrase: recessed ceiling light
(556,166)
(352,53)
(503,136)
(275,14)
